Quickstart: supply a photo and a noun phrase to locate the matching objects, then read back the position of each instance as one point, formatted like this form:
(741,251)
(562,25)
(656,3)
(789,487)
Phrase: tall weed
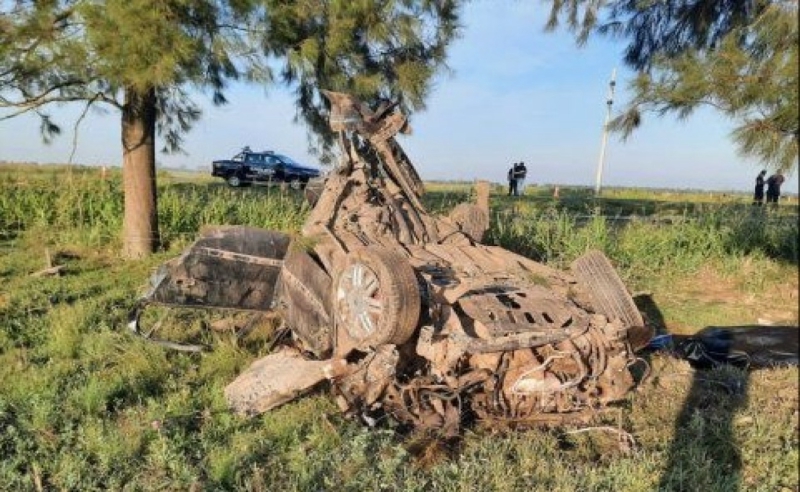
(86,210)
(643,247)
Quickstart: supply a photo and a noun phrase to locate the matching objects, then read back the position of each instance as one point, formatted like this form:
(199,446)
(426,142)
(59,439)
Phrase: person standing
(512,180)
(774,183)
(758,196)
(520,173)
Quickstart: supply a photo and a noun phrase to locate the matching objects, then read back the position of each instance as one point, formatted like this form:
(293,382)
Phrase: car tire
(234,181)
(608,294)
(376,298)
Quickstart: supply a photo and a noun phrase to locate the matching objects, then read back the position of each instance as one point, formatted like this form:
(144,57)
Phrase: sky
(512,93)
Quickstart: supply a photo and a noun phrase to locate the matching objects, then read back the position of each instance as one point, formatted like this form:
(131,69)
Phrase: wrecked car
(409,315)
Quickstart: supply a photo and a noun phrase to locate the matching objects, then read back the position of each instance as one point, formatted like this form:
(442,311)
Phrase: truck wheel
(608,293)
(376,298)
(234,181)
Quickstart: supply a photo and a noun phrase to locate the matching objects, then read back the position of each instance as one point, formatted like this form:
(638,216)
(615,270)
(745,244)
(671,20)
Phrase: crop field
(84,405)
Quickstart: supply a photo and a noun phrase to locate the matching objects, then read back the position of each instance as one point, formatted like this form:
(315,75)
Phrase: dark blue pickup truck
(249,166)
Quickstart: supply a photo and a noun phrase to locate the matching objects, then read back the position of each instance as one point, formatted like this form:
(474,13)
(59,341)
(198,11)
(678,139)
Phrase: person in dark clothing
(520,173)
(774,183)
(512,181)
(758,196)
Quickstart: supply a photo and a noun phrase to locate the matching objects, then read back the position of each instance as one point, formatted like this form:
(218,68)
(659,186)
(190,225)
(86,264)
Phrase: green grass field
(86,406)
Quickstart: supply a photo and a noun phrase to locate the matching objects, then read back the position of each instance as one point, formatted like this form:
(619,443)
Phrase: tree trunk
(140,223)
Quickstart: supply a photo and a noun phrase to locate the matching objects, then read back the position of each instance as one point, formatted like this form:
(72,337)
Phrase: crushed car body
(406,314)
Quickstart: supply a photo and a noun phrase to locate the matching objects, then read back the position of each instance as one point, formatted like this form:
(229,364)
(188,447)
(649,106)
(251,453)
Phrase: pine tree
(737,56)
(377,50)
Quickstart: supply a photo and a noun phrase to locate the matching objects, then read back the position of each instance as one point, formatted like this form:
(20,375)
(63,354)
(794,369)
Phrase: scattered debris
(748,346)
(50,270)
(625,440)
(407,315)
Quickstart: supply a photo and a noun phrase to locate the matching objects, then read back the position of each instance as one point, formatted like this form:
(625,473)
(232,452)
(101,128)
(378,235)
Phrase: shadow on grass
(704,454)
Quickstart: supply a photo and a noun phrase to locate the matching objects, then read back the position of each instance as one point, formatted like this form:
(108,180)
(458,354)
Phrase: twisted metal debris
(408,315)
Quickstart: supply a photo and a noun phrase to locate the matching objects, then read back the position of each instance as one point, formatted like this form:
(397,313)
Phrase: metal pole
(609,102)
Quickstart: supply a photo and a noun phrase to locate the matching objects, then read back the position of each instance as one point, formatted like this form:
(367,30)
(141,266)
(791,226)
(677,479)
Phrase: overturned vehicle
(408,315)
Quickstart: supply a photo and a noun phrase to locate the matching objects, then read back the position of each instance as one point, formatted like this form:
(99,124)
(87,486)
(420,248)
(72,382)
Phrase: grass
(85,406)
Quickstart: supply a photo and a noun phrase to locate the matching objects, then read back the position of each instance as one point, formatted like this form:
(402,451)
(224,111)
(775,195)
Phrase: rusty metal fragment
(276,379)
(407,314)
(227,267)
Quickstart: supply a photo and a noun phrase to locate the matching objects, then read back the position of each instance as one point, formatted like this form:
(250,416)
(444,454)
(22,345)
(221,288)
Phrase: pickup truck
(249,166)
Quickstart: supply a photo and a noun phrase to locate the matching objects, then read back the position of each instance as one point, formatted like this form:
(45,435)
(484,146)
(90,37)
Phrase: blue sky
(513,93)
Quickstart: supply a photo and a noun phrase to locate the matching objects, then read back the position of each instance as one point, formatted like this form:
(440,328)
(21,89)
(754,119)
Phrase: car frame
(409,315)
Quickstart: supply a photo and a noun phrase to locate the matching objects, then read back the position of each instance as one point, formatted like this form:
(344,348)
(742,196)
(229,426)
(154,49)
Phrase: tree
(137,56)
(142,57)
(739,57)
(377,50)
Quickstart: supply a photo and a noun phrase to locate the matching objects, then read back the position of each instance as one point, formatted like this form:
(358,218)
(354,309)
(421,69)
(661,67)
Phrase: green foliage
(87,209)
(755,84)
(654,28)
(75,200)
(95,51)
(738,57)
(648,243)
(376,50)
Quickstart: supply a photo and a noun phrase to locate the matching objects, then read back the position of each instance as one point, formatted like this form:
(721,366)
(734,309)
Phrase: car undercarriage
(409,316)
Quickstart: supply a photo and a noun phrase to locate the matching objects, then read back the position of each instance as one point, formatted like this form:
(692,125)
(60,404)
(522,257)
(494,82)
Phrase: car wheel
(234,181)
(295,184)
(376,298)
(608,294)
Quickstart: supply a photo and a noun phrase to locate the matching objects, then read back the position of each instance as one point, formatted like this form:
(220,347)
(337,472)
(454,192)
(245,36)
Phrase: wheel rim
(358,296)
(233,181)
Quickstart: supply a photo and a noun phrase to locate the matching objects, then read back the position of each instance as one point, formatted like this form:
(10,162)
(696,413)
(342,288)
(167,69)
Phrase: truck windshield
(287,160)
